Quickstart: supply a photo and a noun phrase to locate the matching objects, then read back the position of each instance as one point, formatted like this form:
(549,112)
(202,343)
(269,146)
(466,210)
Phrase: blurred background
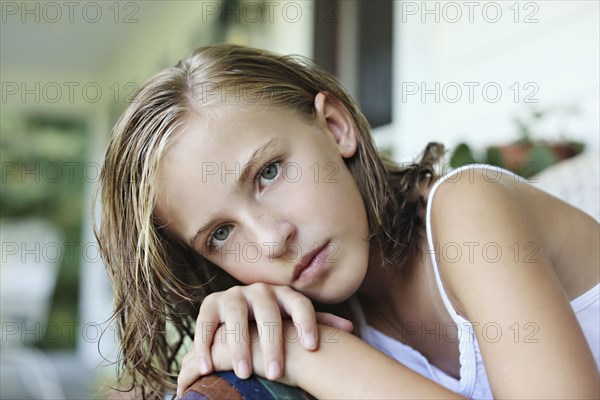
(513,83)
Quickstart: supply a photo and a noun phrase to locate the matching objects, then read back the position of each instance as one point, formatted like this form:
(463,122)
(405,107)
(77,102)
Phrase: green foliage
(542,157)
(462,155)
(43,176)
(494,157)
(533,156)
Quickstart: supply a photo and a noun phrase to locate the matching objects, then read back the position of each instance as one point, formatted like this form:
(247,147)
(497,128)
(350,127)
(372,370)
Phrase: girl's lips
(311,263)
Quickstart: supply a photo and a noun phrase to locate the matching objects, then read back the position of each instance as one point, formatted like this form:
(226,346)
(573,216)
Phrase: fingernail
(274,370)
(310,342)
(204,366)
(243,369)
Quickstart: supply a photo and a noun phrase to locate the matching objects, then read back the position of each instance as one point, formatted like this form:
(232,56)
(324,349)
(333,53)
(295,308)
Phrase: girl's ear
(335,117)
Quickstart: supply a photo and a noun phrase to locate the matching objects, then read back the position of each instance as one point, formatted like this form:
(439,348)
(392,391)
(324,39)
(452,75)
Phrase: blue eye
(220,234)
(269,172)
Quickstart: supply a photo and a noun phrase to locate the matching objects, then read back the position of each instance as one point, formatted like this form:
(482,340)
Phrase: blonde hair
(157,279)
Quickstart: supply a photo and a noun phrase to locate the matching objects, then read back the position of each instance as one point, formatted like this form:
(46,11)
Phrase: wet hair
(159,281)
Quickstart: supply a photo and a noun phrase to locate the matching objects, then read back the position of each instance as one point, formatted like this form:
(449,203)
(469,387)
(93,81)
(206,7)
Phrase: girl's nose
(273,235)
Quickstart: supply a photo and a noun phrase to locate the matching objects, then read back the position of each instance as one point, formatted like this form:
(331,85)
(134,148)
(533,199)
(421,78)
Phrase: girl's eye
(269,172)
(222,232)
(219,235)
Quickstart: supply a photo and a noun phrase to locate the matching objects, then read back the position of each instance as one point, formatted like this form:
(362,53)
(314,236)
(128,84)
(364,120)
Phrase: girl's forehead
(230,134)
(232,110)
(235,123)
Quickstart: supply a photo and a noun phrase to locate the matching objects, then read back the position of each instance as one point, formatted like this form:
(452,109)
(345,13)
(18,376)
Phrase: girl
(244,186)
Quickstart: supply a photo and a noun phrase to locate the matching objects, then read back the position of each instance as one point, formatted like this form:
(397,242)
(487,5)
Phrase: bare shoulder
(496,215)
(476,193)
(475,219)
(480,228)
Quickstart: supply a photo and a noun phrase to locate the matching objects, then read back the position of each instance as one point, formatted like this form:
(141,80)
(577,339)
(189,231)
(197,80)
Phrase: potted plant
(525,156)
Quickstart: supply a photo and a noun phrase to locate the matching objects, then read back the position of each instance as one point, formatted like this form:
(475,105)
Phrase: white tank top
(473,382)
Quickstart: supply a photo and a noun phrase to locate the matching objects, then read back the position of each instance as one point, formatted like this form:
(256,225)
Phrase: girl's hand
(265,305)
(380,376)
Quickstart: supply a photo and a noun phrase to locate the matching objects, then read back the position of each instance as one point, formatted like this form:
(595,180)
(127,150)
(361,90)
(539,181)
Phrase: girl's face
(264,194)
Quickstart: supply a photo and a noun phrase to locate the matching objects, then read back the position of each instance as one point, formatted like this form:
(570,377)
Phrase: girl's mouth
(311,264)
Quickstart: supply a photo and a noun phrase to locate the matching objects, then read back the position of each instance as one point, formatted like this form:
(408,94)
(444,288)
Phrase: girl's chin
(337,296)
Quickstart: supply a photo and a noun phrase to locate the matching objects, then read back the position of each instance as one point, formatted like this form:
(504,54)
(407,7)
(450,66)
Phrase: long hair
(159,282)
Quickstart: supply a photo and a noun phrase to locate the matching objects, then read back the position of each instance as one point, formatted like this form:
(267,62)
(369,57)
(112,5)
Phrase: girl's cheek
(230,254)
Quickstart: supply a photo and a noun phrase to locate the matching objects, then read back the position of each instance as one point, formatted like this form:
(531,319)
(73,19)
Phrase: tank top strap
(468,346)
(492,174)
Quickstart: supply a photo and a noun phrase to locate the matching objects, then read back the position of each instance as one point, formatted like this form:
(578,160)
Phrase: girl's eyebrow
(261,152)
(258,154)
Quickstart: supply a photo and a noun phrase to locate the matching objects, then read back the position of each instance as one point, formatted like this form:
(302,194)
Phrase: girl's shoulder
(476,176)
(500,245)
(498,218)
(473,187)
(480,197)
(493,208)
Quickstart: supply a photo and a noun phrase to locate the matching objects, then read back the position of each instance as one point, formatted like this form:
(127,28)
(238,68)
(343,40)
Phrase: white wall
(549,50)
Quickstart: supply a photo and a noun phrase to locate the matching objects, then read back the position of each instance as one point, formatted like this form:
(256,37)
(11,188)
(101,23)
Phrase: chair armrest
(226,385)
